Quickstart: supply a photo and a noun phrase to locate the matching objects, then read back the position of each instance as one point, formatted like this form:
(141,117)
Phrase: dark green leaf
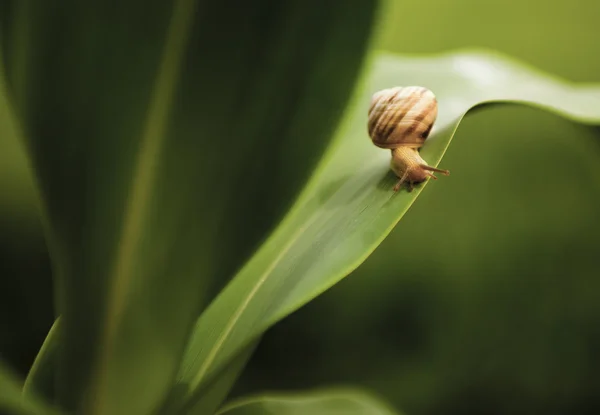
(157,130)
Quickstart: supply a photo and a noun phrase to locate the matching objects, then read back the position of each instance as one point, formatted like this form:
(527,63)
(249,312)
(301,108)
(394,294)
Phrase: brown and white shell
(402,116)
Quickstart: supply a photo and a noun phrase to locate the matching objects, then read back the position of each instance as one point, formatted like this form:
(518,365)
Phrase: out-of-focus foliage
(325,402)
(11,400)
(558,36)
(25,296)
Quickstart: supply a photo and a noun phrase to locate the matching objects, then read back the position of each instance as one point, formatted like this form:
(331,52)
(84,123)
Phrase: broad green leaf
(13,402)
(349,206)
(326,402)
(157,130)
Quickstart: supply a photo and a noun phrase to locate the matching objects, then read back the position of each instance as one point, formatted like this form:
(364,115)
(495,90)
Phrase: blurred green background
(482,300)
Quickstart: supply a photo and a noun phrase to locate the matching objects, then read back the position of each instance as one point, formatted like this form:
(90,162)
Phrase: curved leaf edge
(40,379)
(356,395)
(14,401)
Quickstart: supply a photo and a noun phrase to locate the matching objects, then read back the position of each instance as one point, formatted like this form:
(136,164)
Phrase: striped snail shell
(402,116)
(400,119)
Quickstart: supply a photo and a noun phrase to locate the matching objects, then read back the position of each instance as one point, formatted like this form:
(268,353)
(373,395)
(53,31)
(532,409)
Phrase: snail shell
(400,119)
(402,116)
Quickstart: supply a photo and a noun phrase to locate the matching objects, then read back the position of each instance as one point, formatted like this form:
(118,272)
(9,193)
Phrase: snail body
(400,120)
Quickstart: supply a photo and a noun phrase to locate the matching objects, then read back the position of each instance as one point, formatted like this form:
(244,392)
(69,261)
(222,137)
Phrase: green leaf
(215,392)
(326,402)
(42,375)
(349,207)
(157,130)
(12,401)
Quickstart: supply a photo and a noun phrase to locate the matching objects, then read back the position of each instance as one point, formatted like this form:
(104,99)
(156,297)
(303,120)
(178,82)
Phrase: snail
(400,119)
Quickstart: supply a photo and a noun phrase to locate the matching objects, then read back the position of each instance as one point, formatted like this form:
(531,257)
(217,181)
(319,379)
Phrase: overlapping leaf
(154,129)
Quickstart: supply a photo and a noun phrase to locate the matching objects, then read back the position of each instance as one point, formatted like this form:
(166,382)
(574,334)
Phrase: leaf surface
(349,207)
